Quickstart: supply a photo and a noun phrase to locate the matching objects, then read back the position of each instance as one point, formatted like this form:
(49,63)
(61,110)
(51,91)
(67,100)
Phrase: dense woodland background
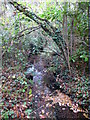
(58,31)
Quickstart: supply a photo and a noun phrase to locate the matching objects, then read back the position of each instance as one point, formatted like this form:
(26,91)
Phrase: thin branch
(2,12)
(54,51)
(84,43)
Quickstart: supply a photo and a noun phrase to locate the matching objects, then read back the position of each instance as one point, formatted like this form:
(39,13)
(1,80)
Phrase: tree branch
(20,34)
(43,22)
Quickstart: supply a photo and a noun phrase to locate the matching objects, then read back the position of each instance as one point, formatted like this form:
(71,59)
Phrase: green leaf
(30,91)
(12,116)
(5,28)
(24,103)
(2,24)
(84,95)
(81,56)
(28,111)
(86,59)
(23,90)
(11,112)
(73,60)
(6,115)
(31,81)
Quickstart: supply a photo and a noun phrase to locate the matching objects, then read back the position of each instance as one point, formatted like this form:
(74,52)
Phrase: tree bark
(67,43)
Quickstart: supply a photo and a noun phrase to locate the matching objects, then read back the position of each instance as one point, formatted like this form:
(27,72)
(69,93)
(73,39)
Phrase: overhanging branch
(45,24)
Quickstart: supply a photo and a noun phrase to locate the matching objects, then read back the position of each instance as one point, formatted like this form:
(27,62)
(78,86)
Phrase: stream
(49,103)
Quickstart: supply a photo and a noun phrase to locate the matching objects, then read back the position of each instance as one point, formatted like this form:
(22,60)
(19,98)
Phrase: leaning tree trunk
(46,26)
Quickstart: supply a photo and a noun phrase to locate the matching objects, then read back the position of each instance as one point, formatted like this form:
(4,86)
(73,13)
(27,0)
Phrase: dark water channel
(40,91)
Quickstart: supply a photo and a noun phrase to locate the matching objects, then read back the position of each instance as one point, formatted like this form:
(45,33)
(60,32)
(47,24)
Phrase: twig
(84,43)
(54,51)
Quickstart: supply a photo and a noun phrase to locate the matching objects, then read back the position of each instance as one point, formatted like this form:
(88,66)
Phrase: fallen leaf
(42,116)
(63,108)
(30,96)
(43,111)
(85,115)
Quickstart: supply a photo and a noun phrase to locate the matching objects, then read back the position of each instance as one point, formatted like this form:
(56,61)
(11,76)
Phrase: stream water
(43,107)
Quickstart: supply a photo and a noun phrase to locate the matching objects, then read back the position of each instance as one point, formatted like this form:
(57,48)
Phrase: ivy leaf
(86,59)
(11,112)
(23,90)
(82,56)
(73,60)
(28,111)
(30,92)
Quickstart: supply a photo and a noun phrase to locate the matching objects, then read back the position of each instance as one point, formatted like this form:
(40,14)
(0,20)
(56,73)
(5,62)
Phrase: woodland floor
(23,99)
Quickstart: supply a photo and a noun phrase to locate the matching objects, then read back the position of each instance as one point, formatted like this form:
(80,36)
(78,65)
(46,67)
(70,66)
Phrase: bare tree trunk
(71,36)
(63,26)
(67,43)
(71,41)
(65,37)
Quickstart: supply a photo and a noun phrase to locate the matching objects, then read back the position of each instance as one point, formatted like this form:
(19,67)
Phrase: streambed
(44,104)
